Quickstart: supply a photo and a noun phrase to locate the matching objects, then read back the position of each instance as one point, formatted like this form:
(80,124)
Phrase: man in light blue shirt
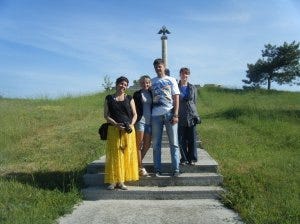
(165,93)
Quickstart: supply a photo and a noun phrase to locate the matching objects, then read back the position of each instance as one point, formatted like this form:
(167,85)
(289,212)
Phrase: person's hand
(174,120)
(120,126)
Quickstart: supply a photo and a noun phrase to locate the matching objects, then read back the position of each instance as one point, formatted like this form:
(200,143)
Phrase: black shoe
(176,174)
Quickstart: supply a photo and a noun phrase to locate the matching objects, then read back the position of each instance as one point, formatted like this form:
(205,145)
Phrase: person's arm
(176,108)
(107,115)
(133,109)
(138,104)
(195,94)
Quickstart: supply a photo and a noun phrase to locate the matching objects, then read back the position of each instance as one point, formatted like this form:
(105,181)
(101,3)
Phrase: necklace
(119,97)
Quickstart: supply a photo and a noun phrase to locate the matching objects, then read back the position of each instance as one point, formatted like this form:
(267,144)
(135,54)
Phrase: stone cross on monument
(164,47)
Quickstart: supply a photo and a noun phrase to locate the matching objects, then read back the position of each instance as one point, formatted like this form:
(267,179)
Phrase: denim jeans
(157,128)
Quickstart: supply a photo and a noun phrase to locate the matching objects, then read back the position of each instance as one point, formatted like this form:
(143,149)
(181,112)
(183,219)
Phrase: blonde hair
(144,77)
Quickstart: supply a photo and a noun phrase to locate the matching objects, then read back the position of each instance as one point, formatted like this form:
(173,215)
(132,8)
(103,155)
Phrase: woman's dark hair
(185,69)
(121,79)
(167,72)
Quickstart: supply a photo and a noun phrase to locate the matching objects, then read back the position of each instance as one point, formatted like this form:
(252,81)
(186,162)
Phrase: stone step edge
(201,153)
(100,168)
(157,188)
(186,179)
(97,167)
(102,163)
(154,193)
(166,175)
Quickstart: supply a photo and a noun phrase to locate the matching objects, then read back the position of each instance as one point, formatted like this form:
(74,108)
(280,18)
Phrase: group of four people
(138,120)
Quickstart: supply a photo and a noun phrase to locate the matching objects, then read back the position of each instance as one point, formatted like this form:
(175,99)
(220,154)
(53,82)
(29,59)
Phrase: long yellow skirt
(121,156)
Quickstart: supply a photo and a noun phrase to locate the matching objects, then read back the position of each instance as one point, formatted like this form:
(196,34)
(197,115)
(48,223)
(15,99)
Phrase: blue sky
(58,47)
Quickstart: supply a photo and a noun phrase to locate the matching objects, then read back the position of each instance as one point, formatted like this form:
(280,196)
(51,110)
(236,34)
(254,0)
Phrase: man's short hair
(158,61)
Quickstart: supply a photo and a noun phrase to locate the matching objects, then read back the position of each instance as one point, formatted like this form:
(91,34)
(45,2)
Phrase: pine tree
(278,64)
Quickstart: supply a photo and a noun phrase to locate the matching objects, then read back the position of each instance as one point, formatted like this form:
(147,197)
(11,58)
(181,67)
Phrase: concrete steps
(184,179)
(205,163)
(165,143)
(199,181)
(154,193)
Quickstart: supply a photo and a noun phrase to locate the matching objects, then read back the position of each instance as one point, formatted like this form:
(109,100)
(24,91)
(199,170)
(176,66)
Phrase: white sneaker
(111,187)
(122,186)
(143,172)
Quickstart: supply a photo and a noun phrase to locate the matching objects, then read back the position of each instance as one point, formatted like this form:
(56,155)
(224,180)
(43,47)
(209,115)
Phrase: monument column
(164,46)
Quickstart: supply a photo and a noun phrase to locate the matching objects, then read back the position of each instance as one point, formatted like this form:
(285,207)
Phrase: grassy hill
(45,146)
(255,136)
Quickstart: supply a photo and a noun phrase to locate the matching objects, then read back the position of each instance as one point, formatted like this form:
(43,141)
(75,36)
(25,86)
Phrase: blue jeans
(142,127)
(157,128)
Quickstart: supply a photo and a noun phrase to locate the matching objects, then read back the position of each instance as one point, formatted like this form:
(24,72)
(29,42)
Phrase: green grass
(255,137)
(45,146)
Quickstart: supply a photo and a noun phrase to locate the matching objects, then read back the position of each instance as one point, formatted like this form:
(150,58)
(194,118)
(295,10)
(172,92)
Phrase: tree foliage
(278,64)
(108,84)
(136,82)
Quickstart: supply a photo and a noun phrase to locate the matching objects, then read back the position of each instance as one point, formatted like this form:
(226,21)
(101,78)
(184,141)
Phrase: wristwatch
(175,115)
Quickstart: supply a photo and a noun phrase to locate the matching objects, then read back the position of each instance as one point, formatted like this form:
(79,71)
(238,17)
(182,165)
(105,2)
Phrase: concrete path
(206,211)
(195,200)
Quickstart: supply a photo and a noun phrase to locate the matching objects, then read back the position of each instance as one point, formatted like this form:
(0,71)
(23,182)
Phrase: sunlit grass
(255,137)
(46,144)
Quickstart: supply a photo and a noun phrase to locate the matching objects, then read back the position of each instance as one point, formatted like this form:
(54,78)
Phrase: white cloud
(233,17)
(215,40)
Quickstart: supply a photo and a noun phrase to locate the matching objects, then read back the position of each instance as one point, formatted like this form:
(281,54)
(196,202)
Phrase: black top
(137,96)
(120,111)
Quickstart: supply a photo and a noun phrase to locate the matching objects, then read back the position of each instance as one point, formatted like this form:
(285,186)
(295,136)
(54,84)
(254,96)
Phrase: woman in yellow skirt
(121,154)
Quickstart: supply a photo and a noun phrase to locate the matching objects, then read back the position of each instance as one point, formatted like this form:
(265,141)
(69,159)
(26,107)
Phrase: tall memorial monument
(164,46)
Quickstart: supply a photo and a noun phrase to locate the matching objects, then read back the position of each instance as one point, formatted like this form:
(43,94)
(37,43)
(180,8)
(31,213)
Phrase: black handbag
(103,131)
(197,120)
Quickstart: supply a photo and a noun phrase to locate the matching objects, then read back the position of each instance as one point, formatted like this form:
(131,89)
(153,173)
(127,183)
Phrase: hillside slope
(45,146)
